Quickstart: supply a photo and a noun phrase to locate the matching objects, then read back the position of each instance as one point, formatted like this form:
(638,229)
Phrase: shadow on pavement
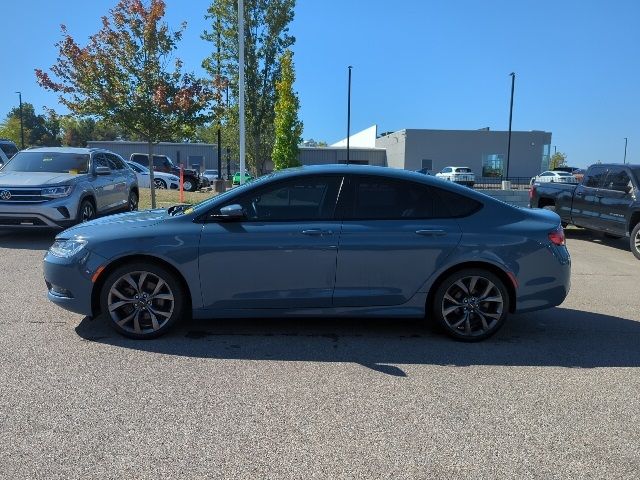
(599,238)
(27,240)
(556,338)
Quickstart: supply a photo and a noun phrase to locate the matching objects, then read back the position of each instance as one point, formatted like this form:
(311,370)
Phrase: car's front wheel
(190,184)
(86,211)
(133,201)
(141,300)
(471,305)
(635,241)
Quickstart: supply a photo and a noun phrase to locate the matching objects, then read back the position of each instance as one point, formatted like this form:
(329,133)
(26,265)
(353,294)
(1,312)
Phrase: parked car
(7,150)
(211,175)
(57,187)
(461,175)
(162,163)
(236,178)
(554,176)
(160,179)
(607,200)
(577,172)
(327,240)
(424,171)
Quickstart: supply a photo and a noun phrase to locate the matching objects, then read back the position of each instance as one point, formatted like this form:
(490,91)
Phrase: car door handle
(317,232)
(580,194)
(431,233)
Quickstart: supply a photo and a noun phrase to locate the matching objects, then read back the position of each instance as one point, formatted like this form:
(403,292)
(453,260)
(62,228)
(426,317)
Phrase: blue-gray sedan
(332,240)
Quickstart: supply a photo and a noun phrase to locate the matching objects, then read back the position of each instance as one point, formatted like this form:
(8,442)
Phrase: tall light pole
(219,185)
(348,113)
(513,83)
(625,150)
(21,121)
(241,84)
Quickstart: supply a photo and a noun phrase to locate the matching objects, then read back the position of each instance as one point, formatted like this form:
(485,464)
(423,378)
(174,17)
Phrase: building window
(493,165)
(546,152)
(427,164)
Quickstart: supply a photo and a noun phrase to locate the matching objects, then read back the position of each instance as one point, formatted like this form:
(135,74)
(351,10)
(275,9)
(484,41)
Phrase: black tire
(551,208)
(634,242)
(160,183)
(132,203)
(190,184)
(467,318)
(86,211)
(123,315)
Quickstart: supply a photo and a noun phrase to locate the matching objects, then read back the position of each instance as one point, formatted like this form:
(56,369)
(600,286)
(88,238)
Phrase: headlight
(56,192)
(66,248)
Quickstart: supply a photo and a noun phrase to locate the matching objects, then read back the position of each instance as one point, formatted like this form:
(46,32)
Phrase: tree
(558,159)
(122,75)
(39,130)
(76,132)
(266,38)
(288,128)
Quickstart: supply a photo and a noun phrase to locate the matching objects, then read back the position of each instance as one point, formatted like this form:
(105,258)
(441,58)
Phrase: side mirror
(627,189)
(103,170)
(231,212)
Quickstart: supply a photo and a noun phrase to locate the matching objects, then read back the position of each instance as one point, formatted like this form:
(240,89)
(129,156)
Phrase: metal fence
(495,183)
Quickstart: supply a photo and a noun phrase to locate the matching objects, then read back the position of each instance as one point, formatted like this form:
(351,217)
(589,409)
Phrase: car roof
(77,150)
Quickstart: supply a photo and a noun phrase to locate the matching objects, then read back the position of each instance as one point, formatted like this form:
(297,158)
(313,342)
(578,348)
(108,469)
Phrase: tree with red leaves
(124,75)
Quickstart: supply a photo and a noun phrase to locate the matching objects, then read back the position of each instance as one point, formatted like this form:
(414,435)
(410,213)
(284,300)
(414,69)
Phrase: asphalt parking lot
(552,395)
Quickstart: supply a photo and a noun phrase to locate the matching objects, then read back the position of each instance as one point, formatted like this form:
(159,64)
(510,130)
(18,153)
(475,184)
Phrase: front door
(616,196)
(395,234)
(282,255)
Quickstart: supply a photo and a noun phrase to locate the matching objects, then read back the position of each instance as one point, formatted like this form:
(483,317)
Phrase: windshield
(8,149)
(463,170)
(138,168)
(52,162)
(563,174)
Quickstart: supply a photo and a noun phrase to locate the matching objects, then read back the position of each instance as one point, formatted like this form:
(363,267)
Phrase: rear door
(615,198)
(395,234)
(103,184)
(120,176)
(585,208)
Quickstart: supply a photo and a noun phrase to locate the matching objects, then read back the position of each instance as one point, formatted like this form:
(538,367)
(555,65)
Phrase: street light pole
(625,150)
(241,85)
(21,121)
(349,113)
(513,83)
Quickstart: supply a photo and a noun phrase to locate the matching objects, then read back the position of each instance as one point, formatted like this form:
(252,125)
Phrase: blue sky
(417,64)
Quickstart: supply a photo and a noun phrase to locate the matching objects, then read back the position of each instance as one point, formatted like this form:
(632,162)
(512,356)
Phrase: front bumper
(57,213)
(69,280)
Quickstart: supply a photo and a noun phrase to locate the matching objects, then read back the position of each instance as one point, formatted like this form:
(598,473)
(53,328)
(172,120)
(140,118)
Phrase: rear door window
(595,177)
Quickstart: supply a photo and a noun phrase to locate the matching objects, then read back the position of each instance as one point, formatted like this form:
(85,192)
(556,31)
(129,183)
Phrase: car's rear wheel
(159,183)
(133,201)
(86,211)
(141,300)
(635,241)
(471,305)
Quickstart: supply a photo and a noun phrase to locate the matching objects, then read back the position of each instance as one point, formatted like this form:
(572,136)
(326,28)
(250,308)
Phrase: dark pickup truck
(607,200)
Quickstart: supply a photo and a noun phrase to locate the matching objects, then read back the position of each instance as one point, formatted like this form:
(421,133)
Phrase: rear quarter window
(456,205)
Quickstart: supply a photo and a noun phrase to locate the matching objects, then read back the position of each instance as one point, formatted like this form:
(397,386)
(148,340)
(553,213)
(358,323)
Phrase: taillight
(557,236)
(532,191)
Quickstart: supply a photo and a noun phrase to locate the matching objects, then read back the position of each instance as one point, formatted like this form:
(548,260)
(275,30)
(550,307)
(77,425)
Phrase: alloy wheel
(140,302)
(159,183)
(87,213)
(133,202)
(472,306)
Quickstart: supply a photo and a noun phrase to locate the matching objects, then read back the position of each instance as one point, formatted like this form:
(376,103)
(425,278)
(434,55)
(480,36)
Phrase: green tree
(123,75)
(39,130)
(266,38)
(558,159)
(76,132)
(288,127)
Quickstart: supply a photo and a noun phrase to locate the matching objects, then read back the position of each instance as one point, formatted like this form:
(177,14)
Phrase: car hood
(35,179)
(100,226)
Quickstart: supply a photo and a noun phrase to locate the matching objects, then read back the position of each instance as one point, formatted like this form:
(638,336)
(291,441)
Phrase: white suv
(462,175)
